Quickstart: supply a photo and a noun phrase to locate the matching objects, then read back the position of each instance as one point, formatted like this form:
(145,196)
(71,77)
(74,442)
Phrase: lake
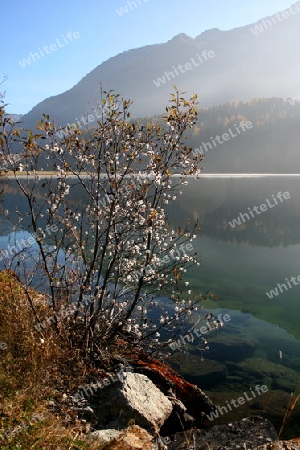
(241,265)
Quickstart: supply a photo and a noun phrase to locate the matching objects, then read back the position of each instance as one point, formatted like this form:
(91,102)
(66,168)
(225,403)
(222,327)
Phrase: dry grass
(35,376)
(294,399)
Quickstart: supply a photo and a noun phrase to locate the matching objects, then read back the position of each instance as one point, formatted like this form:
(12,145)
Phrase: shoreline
(44,174)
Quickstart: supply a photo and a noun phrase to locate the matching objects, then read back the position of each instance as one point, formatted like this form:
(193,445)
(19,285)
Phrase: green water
(261,343)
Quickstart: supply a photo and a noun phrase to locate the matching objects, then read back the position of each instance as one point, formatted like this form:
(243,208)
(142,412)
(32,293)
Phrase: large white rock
(133,398)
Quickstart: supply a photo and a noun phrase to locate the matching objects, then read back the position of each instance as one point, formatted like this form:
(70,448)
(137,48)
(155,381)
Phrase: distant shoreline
(247,175)
(43,174)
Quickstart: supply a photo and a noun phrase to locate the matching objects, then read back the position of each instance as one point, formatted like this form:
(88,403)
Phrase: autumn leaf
(177,274)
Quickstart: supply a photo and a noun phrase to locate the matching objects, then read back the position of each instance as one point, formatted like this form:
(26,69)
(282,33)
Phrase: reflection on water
(241,264)
(261,343)
(217,201)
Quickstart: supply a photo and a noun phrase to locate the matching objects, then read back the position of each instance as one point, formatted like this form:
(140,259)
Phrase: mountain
(258,60)
(15,117)
(270,144)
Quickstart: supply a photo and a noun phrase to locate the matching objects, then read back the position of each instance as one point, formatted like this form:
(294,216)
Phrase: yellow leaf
(177,274)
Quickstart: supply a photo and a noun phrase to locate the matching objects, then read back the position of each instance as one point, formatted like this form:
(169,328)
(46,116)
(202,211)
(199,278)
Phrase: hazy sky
(28,26)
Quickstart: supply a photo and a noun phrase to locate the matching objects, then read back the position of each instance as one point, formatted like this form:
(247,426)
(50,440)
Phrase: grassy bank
(37,373)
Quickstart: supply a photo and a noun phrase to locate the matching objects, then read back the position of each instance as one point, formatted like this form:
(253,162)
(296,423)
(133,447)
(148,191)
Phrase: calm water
(261,342)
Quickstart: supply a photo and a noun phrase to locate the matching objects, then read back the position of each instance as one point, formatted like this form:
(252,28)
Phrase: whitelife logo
(23,426)
(294,100)
(47,50)
(26,243)
(218,140)
(274,292)
(175,254)
(259,209)
(83,121)
(265,24)
(238,402)
(183,68)
(132,5)
(91,389)
(176,345)
(5,165)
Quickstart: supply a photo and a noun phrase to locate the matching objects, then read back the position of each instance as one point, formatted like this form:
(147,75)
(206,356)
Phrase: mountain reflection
(216,202)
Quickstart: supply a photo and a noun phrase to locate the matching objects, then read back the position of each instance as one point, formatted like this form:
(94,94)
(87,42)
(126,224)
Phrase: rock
(231,348)
(294,444)
(248,433)
(179,419)
(189,404)
(133,438)
(207,373)
(86,413)
(104,436)
(165,378)
(133,397)
(257,370)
